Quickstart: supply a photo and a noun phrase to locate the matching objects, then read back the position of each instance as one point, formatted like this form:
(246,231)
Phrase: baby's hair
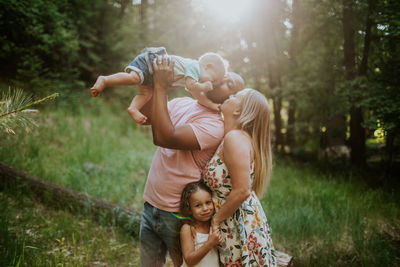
(216,59)
(187,192)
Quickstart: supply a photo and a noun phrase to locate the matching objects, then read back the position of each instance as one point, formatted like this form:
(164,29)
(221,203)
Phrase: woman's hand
(215,225)
(163,73)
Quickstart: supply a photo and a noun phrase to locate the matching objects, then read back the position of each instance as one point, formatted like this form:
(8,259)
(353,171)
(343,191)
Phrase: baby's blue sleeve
(193,70)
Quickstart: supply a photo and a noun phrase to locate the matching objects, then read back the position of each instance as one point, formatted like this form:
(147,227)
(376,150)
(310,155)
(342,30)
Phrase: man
(187,135)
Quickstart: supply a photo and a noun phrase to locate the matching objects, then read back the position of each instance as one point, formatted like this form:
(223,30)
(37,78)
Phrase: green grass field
(321,219)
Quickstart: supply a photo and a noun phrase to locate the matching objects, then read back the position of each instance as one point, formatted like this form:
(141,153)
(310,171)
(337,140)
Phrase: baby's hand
(207,86)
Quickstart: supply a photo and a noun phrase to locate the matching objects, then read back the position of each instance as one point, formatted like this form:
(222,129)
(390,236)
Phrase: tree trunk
(274,84)
(367,39)
(143,21)
(390,138)
(290,139)
(357,131)
(124,5)
(295,20)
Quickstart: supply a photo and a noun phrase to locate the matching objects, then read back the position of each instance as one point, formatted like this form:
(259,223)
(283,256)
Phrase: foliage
(64,45)
(60,44)
(14,109)
(383,94)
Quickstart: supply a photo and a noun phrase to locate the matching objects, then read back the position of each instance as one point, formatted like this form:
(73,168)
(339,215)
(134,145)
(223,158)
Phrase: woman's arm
(192,256)
(237,158)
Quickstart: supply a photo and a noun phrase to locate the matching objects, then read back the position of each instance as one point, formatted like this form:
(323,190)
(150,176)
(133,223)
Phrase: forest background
(329,68)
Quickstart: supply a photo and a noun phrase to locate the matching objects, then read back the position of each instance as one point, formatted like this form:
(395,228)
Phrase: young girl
(197,240)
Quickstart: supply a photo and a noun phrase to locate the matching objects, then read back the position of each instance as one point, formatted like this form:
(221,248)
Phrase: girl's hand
(214,237)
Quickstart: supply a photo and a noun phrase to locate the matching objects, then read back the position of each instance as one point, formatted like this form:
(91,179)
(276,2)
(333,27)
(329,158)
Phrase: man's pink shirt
(172,169)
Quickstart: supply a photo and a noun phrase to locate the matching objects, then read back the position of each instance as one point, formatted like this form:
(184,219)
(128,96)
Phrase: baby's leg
(138,102)
(120,78)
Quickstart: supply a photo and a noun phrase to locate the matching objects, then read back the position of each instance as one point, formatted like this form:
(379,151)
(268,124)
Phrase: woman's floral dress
(246,234)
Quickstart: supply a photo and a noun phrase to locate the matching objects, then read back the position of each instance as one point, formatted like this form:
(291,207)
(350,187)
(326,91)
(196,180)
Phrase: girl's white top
(210,259)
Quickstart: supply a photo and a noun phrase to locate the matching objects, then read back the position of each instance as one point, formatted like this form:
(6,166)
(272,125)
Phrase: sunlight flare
(226,10)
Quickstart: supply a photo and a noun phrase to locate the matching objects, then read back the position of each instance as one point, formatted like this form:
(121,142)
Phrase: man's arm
(164,133)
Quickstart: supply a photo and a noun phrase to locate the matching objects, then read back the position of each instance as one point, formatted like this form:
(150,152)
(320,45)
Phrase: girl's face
(201,206)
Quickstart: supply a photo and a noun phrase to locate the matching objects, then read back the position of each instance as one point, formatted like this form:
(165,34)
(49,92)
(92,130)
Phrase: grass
(96,149)
(34,235)
(320,218)
(330,221)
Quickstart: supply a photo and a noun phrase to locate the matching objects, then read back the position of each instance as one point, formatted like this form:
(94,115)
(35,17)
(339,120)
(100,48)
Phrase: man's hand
(163,73)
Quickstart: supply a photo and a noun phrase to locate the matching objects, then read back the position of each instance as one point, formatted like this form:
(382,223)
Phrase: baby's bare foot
(137,116)
(98,87)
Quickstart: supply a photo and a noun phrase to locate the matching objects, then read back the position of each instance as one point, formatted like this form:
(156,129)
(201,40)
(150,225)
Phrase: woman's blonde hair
(254,119)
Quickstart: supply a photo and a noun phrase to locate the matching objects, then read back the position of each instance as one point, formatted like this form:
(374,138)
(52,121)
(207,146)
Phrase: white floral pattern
(246,234)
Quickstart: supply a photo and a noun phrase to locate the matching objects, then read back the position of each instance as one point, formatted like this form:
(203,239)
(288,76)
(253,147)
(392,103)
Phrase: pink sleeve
(172,104)
(209,132)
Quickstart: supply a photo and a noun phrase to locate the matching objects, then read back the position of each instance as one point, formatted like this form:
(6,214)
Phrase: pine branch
(47,98)
(14,107)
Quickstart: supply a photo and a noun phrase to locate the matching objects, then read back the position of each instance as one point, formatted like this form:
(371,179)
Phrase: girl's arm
(192,256)
(237,158)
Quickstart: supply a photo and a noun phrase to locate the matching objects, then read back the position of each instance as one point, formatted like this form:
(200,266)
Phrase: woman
(237,174)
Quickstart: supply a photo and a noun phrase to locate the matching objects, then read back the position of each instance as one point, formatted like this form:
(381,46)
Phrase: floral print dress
(246,234)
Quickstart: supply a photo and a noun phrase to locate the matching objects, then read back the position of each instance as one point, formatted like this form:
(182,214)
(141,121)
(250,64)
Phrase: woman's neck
(230,125)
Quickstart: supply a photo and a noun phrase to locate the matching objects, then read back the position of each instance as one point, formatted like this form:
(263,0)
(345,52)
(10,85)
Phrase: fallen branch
(60,197)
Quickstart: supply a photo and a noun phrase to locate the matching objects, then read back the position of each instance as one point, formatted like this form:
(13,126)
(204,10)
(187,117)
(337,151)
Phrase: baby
(198,76)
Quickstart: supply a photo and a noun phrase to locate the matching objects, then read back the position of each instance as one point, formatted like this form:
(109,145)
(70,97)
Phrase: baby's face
(211,73)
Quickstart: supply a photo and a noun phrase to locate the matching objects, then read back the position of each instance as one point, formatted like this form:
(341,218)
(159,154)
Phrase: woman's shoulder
(236,142)
(235,136)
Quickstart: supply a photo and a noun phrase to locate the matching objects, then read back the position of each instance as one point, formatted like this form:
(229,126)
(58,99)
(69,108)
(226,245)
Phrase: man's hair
(187,192)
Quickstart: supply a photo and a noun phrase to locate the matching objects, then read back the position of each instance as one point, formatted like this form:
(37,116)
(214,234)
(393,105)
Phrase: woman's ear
(237,112)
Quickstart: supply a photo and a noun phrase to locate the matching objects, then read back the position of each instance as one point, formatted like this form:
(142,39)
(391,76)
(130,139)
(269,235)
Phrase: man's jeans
(159,233)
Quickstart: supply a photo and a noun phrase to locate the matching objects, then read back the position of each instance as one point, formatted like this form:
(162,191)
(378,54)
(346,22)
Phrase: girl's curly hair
(187,192)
